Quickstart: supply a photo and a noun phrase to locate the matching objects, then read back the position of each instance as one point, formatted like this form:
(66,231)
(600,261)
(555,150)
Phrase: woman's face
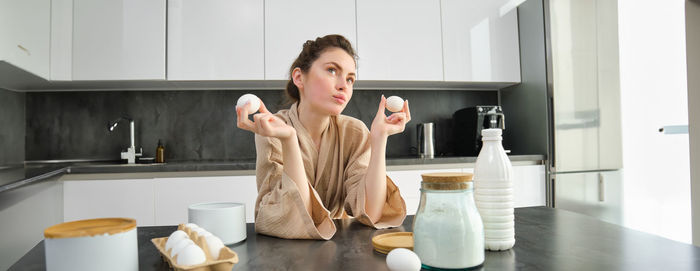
(327,87)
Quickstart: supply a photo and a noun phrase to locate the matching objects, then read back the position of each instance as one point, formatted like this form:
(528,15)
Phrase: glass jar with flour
(447,230)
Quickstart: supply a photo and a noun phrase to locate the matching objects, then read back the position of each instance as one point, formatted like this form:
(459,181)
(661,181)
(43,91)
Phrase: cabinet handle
(601,187)
(24,49)
(674,129)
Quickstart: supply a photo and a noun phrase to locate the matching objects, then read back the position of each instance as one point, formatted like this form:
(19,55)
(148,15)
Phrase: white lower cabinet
(154,201)
(174,195)
(528,185)
(408,182)
(86,199)
(164,201)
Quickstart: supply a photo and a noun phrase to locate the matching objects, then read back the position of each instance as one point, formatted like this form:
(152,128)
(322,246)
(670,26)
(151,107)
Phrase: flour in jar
(447,235)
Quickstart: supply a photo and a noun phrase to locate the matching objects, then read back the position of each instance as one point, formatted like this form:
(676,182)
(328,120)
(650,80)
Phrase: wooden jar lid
(384,243)
(447,177)
(90,227)
(447,180)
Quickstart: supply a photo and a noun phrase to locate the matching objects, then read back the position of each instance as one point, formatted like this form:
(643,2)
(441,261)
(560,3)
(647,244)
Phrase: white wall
(692,25)
(654,94)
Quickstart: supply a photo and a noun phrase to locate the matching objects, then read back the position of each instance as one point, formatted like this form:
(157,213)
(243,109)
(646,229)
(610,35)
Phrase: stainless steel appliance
(426,140)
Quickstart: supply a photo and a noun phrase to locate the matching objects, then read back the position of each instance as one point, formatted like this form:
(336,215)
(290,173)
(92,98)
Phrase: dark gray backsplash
(200,125)
(12,127)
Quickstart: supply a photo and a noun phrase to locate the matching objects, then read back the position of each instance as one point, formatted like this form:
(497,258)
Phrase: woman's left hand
(393,124)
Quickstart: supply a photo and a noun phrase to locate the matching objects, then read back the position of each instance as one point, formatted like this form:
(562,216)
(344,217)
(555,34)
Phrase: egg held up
(394,103)
(254,102)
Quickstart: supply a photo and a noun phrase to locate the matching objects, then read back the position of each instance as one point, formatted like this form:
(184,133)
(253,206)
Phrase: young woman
(314,164)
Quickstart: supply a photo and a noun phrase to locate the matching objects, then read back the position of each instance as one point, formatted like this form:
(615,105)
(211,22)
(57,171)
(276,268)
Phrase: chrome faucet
(130,154)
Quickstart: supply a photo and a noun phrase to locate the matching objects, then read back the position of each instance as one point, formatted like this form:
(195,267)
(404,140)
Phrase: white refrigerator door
(597,194)
(586,85)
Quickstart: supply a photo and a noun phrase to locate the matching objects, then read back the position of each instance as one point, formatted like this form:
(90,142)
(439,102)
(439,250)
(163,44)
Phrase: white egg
(401,259)
(191,225)
(191,255)
(254,102)
(179,246)
(201,231)
(214,245)
(174,238)
(394,103)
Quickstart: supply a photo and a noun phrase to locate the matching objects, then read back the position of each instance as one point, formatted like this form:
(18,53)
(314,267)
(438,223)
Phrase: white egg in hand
(191,255)
(401,259)
(214,245)
(174,238)
(254,102)
(394,103)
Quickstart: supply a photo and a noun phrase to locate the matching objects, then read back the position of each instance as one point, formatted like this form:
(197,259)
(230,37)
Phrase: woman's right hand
(264,123)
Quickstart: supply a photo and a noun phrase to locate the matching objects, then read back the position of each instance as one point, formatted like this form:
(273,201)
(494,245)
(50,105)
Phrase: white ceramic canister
(225,220)
(93,244)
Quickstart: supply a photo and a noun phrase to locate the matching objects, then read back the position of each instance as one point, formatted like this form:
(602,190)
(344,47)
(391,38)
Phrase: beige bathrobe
(335,173)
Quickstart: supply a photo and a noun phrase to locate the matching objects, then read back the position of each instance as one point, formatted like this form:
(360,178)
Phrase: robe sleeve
(279,209)
(394,210)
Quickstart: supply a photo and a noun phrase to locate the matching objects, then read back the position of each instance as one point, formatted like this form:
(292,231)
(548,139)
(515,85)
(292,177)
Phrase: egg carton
(227,257)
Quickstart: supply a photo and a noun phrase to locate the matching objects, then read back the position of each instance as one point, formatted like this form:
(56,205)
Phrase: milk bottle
(493,192)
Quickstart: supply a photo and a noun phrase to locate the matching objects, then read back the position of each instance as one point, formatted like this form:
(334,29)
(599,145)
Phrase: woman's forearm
(294,168)
(375,179)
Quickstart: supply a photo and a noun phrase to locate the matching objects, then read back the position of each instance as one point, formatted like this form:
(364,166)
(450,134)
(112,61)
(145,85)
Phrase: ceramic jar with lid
(93,244)
(447,230)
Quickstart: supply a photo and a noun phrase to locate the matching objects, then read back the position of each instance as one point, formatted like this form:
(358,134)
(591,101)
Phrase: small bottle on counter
(160,153)
(493,192)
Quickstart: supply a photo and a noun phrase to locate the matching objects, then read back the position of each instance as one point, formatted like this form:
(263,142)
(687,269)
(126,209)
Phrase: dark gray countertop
(16,176)
(546,239)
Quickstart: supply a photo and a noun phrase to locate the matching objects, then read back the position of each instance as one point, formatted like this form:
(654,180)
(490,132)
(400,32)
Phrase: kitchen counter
(546,239)
(17,176)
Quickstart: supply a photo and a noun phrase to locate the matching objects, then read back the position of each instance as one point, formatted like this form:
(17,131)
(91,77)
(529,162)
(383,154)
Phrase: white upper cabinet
(118,39)
(288,24)
(25,34)
(480,41)
(215,40)
(395,40)
(399,40)
(61,40)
